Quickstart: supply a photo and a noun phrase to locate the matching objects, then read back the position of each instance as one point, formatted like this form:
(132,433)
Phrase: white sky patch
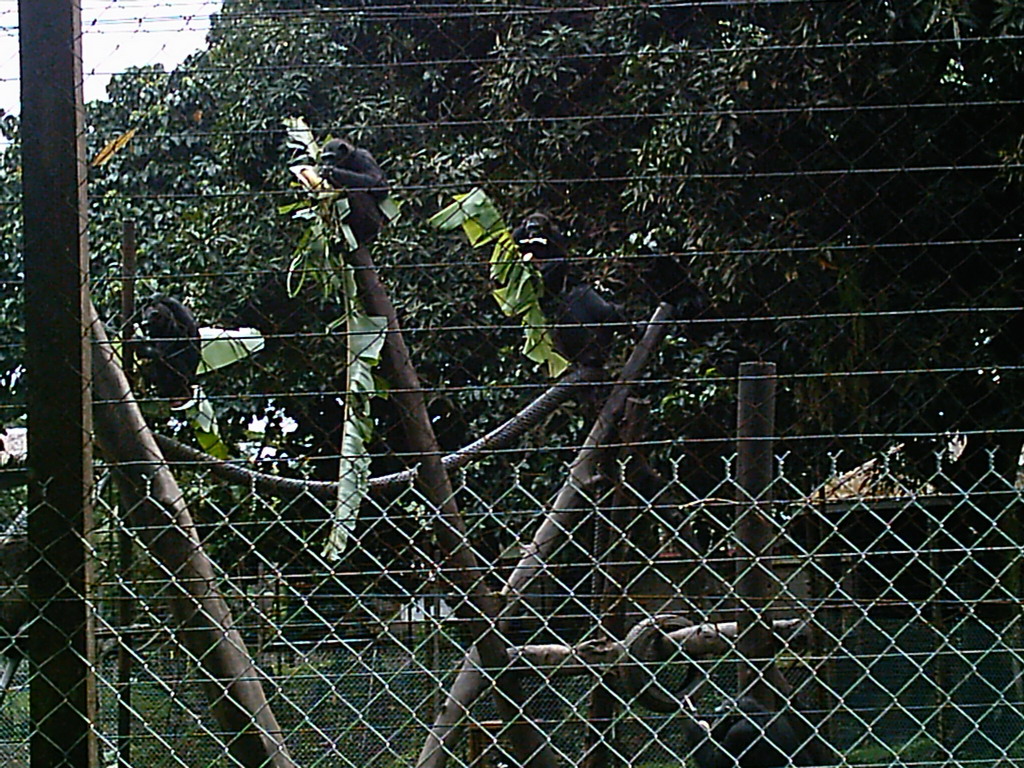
(116,34)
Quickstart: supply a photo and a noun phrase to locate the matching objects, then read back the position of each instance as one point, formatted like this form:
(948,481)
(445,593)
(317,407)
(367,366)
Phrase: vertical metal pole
(755,429)
(126,604)
(57,359)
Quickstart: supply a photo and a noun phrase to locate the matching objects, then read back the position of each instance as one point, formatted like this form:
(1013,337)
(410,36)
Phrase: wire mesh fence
(558,384)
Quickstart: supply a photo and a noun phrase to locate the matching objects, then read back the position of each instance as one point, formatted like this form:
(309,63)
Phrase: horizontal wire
(802,173)
(846,46)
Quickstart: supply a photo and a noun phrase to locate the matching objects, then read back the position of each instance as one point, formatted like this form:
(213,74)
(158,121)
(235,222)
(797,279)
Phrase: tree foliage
(791,172)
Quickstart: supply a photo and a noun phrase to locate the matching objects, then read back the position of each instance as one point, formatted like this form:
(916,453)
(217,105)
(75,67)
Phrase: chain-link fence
(496,384)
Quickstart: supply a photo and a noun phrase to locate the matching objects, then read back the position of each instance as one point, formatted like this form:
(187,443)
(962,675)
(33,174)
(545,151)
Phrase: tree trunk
(158,514)
(478,604)
(469,682)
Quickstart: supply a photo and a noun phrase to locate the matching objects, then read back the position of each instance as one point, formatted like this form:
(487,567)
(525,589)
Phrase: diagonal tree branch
(568,505)
(157,512)
(479,605)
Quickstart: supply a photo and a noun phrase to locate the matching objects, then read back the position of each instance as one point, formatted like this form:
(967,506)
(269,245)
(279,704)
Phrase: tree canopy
(832,186)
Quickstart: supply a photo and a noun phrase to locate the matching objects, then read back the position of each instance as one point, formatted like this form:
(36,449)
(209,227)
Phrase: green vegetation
(769,154)
(812,167)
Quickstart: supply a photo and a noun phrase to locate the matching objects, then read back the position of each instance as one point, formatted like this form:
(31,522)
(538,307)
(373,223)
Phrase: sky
(116,34)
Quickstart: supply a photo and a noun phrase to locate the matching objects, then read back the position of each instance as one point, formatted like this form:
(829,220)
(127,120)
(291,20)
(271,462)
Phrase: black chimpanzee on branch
(173,348)
(583,321)
(348,167)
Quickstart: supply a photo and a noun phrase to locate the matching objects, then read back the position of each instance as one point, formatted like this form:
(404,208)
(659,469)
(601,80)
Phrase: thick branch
(479,605)
(469,683)
(497,439)
(595,657)
(567,504)
(158,514)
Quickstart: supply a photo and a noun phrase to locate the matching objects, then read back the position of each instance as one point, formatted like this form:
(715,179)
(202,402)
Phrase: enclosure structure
(338,456)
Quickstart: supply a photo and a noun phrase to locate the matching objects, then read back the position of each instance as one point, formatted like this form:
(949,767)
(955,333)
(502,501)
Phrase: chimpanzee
(347,167)
(172,347)
(747,735)
(582,319)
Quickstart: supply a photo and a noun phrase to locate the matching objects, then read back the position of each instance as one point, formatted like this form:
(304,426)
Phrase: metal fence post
(57,357)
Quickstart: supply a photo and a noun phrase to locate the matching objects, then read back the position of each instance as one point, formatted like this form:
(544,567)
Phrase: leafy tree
(828,185)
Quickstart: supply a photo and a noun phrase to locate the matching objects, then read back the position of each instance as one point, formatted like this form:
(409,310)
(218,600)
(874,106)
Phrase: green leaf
(340,211)
(300,137)
(557,364)
(475,213)
(348,235)
(504,257)
(353,479)
(389,207)
(505,302)
(365,336)
(201,415)
(296,274)
(200,412)
(450,217)
(212,444)
(292,207)
(519,282)
(224,346)
(479,209)
(342,207)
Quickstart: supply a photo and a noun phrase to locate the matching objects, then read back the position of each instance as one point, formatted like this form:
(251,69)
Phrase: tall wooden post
(125,550)
(755,586)
(58,372)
